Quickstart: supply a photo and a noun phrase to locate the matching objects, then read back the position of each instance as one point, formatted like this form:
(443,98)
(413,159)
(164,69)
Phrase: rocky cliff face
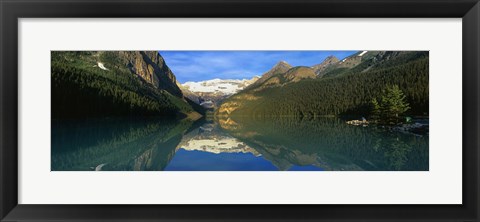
(151,67)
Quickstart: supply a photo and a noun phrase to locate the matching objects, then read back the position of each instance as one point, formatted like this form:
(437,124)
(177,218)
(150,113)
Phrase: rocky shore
(355,122)
(419,127)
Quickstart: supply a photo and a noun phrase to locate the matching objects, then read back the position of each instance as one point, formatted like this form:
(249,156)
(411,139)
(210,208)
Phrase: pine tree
(391,106)
(375,110)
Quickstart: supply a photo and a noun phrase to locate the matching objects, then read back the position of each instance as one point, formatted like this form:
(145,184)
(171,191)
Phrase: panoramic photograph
(240,110)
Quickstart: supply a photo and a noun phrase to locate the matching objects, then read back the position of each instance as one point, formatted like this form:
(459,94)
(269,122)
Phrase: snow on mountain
(362,53)
(208,93)
(223,86)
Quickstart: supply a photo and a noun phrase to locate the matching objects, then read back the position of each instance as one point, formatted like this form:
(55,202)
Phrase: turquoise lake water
(242,144)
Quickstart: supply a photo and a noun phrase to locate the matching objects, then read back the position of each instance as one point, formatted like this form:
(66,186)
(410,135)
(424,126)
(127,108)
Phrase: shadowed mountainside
(116,83)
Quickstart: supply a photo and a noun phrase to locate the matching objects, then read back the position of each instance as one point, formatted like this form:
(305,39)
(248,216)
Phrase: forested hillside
(340,89)
(92,84)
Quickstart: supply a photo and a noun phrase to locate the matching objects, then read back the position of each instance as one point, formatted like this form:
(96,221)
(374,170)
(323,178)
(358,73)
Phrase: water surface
(241,144)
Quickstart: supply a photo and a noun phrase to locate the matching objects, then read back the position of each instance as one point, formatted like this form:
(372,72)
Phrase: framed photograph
(239,110)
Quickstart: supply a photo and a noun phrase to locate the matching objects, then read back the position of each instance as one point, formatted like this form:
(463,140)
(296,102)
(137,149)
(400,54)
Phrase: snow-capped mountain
(225,86)
(208,93)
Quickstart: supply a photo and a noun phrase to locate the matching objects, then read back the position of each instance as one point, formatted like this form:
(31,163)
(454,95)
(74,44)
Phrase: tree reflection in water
(233,144)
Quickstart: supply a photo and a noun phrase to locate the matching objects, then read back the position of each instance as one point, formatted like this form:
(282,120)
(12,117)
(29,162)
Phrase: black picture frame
(12,10)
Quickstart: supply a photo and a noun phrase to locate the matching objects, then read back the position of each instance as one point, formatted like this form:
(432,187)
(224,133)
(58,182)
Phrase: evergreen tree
(375,109)
(391,106)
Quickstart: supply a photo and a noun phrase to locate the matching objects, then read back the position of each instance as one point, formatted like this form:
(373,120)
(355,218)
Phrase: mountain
(294,74)
(115,83)
(280,74)
(346,87)
(298,73)
(151,67)
(320,68)
(208,93)
(363,61)
(279,68)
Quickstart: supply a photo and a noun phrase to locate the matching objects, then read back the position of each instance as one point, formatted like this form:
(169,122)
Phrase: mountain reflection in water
(242,144)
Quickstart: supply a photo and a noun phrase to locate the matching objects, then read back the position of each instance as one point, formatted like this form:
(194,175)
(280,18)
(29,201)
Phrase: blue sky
(205,65)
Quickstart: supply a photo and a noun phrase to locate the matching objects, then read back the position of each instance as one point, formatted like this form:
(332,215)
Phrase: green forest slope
(340,90)
(130,85)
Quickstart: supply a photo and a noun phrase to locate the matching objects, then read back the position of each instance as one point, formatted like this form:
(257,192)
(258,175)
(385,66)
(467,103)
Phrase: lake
(233,144)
